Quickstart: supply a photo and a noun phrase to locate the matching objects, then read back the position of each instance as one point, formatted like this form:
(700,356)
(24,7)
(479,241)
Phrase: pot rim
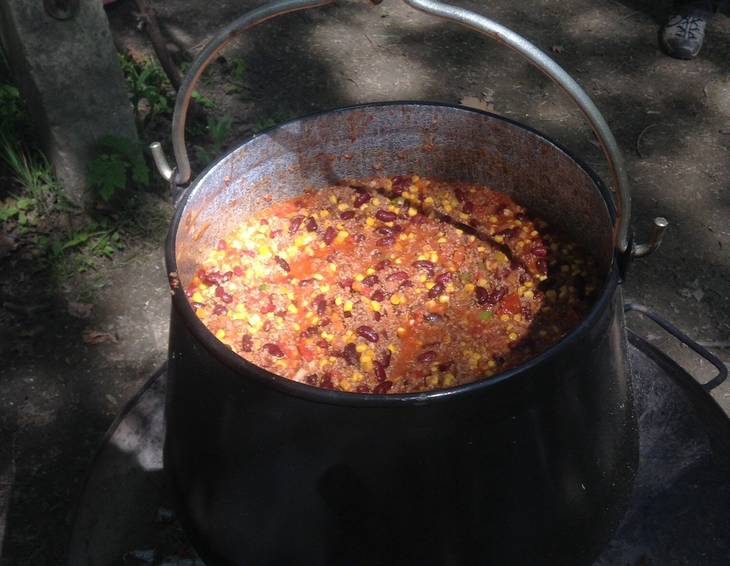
(248,370)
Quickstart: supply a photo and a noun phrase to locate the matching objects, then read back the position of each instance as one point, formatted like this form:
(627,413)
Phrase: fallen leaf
(556,48)
(97,337)
(478,103)
(80,310)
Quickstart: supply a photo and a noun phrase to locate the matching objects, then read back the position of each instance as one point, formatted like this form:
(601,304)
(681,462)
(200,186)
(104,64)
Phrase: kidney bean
(281,262)
(491,297)
(370,280)
(444,277)
(482,295)
(246,343)
(385,242)
(379,370)
(324,322)
(385,231)
(320,304)
(227,276)
(427,357)
(542,266)
(362,389)
(436,290)
(468,207)
(350,354)
(312,224)
(219,291)
(267,326)
(399,184)
(221,245)
(368,333)
(383,264)
(274,234)
(346,283)
(444,366)
(418,219)
(329,235)
(459,194)
(211,278)
(397,277)
(311,379)
(539,251)
(312,331)
(385,215)
(295,223)
(326,382)
(432,317)
(306,282)
(361,199)
(264,222)
(273,350)
(323,344)
(377,316)
(429,266)
(382,387)
(220,310)
(377,295)
(385,361)
(347,215)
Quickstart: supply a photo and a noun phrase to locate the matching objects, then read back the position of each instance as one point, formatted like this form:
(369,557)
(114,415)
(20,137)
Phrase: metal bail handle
(623,244)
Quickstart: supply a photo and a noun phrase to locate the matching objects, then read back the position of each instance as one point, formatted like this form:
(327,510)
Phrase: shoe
(682,36)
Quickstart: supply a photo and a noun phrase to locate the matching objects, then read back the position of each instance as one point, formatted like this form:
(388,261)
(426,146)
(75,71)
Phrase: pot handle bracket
(626,249)
(687,341)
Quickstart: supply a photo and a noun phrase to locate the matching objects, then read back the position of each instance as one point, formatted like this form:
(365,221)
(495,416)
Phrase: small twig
(640,136)
(158,42)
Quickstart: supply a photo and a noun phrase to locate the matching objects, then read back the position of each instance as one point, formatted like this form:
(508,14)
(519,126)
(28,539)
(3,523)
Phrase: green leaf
(485,315)
(7,212)
(78,239)
(24,203)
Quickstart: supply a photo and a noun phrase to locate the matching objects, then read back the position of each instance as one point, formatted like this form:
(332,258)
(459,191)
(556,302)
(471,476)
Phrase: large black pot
(532,466)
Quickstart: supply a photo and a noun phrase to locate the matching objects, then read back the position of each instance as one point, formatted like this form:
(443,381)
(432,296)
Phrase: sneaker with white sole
(682,36)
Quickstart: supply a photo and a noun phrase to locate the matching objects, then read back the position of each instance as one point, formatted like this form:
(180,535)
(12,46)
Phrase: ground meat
(392,285)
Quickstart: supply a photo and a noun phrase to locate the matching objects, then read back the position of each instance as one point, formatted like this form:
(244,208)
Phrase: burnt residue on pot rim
(247,370)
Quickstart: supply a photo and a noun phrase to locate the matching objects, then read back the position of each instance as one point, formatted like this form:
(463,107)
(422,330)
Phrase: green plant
(118,164)
(147,82)
(219,130)
(37,187)
(269,122)
(204,101)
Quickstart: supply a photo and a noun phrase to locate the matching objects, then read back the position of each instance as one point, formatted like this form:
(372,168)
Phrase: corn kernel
(338,300)
(504,317)
(412,211)
(342,207)
(529,294)
(401,331)
(513,336)
(360,348)
(198,298)
(469,287)
(292,309)
(370,271)
(395,299)
(347,307)
(220,334)
(491,363)
(375,305)
(444,299)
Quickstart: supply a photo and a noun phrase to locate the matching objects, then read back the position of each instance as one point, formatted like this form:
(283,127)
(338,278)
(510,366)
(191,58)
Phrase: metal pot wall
(532,466)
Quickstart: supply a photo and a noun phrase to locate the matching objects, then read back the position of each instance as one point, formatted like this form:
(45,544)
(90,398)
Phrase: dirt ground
(671,118)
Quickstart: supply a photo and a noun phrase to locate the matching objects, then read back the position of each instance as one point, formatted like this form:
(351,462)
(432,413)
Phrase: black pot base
(678,513)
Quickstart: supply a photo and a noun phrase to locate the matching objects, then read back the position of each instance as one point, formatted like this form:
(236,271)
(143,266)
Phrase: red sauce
(393,285)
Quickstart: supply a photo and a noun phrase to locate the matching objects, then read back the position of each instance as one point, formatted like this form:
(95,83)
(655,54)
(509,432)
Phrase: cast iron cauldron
(532,466)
